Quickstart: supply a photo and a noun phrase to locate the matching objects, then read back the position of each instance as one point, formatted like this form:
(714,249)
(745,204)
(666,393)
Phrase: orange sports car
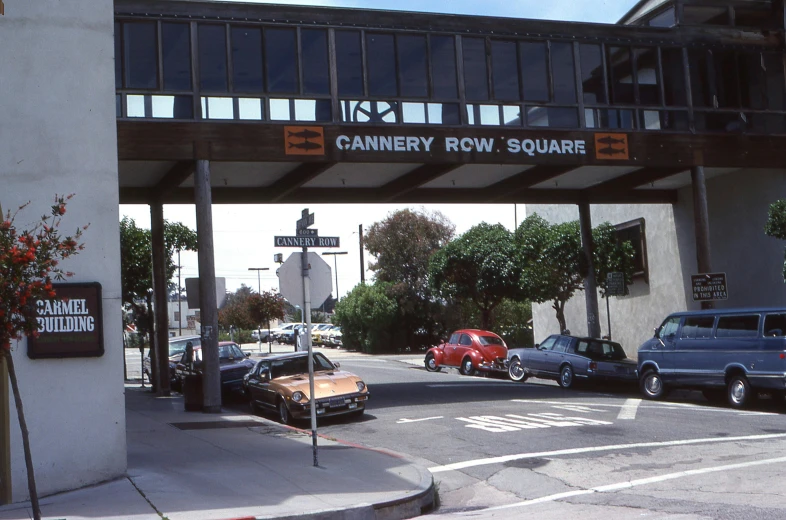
(280,383)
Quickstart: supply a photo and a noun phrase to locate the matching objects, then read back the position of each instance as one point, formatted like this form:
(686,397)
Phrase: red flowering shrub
(29,262)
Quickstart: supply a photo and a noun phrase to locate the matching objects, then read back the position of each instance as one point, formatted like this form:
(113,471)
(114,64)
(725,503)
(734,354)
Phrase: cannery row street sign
(306,237)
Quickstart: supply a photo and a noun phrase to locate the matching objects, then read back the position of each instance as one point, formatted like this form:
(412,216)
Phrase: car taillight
(593,365)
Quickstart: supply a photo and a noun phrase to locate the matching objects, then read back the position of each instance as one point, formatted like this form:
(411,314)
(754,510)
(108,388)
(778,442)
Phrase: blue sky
(243,234)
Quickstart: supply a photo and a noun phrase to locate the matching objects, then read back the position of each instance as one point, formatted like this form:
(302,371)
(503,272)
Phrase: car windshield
(490,340)
(225,352)
(178,346)
(298,366)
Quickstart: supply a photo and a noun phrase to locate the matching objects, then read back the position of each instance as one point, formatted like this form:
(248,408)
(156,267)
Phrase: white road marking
(512,423)
(407,421)
(595,449)
(654,405)
(634,483)
(629,409)
(579,408)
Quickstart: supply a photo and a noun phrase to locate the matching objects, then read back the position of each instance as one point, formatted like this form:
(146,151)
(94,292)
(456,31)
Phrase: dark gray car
(568,358)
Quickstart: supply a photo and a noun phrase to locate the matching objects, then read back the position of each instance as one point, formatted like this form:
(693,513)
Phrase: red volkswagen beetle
(469,350)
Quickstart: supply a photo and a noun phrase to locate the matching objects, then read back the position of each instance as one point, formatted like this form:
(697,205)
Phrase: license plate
(337,402)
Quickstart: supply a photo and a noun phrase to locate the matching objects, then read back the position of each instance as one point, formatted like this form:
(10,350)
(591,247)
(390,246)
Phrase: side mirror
(656,332)
(248,354)
(537,345)
(337,364)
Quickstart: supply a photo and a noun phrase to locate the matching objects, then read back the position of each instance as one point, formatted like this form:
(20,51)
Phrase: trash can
(192,392)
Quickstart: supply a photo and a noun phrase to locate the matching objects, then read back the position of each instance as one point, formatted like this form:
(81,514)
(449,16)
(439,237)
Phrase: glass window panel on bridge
(773,66)
(140,50)
(505,70)
(251,109)
(358,111)
(672,65)
(212,58)
(349,62)
(563,72)
(476,85)
(610,118)
(534,71)
(247,61)
(443,67)
(314,62)
(664,120)
(412,65)
(726,80)
(552,117)
(118,58)
(752,81)
(647,76)
(700,78)
(281,60)
(705,15)
(593,79)
(176,56)
(381,63)
(620,75)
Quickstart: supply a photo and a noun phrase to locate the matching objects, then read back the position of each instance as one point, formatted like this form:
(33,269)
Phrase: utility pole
(179,298)
(362,267)
(335,266)
(259,291)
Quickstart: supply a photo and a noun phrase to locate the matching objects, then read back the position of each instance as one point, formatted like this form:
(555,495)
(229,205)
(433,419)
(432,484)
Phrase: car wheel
(517,371)
(740,393)
(283,412)
(651,385)
(566,377)
(431,363)
(466,367)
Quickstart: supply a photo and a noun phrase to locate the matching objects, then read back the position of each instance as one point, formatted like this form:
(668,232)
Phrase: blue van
(731,353)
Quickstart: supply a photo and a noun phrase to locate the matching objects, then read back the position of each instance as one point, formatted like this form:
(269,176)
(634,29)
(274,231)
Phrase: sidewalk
(194,466)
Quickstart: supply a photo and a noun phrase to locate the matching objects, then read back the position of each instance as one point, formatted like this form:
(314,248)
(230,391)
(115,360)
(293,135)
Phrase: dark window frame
(640,223)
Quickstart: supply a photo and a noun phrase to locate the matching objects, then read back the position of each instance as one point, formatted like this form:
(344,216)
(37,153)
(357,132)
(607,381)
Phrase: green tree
(480,266)
(367,316)
(265,307)
(511,319)
(551,262)
(236,310)
(610,255)
(553,265)
(402,245)
(776,225)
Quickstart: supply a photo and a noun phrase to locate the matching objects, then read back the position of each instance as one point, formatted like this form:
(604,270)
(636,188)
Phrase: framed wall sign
(70,324)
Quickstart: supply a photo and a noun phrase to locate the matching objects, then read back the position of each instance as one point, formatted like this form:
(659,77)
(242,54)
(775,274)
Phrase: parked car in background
(233,365)
(568,359)
(177,346)
(332,337)
(261,335)
(280,383)
(317,331)
(469,350)
(286,333)
(731,354)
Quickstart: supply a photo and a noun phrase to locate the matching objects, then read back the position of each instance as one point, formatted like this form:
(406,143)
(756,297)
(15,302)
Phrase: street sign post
(312,282)
(615,286)
(709,287)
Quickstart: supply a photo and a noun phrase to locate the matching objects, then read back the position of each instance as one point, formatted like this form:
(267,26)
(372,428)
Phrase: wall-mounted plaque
(70,324)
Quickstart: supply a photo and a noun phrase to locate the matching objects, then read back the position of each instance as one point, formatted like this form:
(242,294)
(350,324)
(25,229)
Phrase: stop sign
(290,279)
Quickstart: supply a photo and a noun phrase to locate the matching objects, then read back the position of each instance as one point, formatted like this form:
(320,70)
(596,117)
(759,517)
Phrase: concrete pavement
(195,466)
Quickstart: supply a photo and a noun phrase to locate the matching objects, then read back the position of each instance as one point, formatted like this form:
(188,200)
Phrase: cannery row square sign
(70,324)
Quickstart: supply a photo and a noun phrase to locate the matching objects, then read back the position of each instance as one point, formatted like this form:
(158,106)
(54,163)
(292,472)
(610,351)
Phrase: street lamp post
(335,265)
(259,291)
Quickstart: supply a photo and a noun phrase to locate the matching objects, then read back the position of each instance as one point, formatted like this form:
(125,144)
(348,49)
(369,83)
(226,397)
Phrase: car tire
(283,413)
(466,368)
(740,393)
(651,385)
(517,371)
(565,377)
(431,363)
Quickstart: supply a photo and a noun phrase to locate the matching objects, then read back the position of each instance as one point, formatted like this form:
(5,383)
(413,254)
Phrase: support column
(5,436)
(590,288)
(362,267)
(701,223)
(211,378)
(160,310)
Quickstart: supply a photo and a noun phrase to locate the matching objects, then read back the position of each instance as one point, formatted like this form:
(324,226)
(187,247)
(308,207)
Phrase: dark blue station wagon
(733,354)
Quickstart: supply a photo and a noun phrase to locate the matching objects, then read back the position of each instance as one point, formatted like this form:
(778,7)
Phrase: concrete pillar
(701,224)
(208,308)
(161,316)
(590,288)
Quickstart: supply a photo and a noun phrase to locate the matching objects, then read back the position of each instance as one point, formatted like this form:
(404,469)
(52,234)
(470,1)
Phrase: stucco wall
(58,136)
(737,204)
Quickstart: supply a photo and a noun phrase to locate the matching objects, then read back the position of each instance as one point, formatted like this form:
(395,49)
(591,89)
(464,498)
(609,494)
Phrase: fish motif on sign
(612,146)
(304,140)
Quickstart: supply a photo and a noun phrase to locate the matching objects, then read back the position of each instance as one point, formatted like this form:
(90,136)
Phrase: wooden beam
(181,171)
(636,178)
(295,179)
(525,179)
(398,188)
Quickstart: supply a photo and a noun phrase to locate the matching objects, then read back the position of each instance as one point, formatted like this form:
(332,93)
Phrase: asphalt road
(500,449)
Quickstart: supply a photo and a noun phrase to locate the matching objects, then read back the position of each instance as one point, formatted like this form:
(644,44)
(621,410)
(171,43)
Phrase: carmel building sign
(69,325)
